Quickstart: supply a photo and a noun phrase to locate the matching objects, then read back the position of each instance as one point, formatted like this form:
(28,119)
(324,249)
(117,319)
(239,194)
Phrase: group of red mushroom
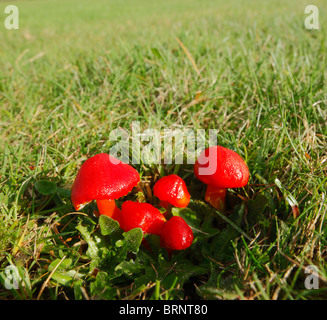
(105,179)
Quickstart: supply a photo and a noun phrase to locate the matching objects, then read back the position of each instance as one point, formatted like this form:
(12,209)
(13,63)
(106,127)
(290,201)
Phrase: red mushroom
(172,189)
(142,215)
(220,168)
(103,178)
(176,234)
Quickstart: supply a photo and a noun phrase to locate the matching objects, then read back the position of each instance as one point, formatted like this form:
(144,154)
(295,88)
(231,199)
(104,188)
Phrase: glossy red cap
(221,167)
(173,189)
(176,234)
(142,215)
(102,177)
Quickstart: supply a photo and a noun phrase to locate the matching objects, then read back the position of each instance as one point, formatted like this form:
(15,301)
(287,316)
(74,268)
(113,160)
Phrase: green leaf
(62,278)
(108,225)
(64,192)
(92,250)
(77,289)
(62,275)
(132,240)
(148,277)
(66,263)
(45,187)
(101,288)
(128,267)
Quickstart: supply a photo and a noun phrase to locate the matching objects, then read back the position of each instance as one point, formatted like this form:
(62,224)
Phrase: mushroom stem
(216,197)
(109,208)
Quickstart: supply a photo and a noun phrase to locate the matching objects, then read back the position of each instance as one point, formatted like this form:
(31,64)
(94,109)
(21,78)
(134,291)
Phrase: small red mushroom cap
(221,167)
(142,215)
(172,189)
(102,177)
(176,234)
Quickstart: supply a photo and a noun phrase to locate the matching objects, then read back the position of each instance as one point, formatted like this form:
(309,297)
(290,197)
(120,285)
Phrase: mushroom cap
(176,234)
(173,189)
(102,177)
(142,215)
(226,168)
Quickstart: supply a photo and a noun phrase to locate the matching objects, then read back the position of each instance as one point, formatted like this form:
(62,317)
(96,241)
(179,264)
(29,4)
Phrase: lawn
(77,70)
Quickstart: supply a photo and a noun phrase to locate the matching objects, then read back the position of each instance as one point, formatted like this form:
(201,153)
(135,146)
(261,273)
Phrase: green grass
(76,70)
